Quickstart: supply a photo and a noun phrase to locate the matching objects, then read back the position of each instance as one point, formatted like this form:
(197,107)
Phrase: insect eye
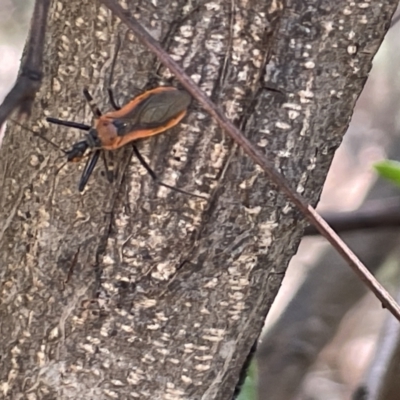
(119,124)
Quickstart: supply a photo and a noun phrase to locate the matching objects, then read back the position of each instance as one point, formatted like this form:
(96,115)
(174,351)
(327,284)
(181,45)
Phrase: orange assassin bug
(147,114)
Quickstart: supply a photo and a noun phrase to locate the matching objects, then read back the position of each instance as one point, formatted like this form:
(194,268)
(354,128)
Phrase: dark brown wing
(155,110)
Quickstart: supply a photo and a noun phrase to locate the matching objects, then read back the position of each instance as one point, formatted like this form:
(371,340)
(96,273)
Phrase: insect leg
(89,167)
(109,173)
(109,90)
(70,124)
(114,104)
(155,178)
(92,104)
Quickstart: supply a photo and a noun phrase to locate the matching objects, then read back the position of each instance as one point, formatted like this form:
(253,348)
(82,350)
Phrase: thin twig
(22,95)
(384,213)
(315,219)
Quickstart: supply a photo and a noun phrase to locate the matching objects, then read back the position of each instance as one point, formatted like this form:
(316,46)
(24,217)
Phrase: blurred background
(14,25)
(326,337)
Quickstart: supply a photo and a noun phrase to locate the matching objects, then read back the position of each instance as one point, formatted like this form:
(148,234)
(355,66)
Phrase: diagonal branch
(384,213)
(22,95)
(309,212)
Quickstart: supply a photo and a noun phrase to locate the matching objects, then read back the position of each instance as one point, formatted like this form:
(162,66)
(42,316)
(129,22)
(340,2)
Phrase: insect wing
(156,110)
(161,107)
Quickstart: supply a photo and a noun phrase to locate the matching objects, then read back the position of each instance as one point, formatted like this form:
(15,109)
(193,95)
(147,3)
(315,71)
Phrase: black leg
(155,178)
(109,173)
(109,90)
(112,100)
(70,124)
(89,167)
(93,106)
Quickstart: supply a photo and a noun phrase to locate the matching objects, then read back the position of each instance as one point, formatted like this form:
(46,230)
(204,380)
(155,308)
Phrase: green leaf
(389,170)
(249,390)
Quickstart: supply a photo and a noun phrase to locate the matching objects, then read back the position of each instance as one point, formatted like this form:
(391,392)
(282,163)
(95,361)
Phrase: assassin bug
(148,114)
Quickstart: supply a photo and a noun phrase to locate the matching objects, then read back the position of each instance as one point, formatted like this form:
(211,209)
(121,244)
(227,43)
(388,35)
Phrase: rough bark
(132,291)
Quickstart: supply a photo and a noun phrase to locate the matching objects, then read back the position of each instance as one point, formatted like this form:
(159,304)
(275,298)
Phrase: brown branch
(375,214)
(22,95)
(310,213)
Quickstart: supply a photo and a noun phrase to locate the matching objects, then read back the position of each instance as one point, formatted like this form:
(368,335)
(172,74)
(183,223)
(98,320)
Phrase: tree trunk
(134,291)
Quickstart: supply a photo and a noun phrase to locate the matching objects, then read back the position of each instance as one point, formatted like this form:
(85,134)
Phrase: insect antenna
(37,134)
